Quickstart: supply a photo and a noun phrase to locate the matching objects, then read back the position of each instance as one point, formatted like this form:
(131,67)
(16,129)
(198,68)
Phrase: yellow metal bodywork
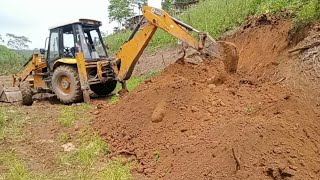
(130,52)
(35,68)
(33,72)
(36,64)
(163,20)
(83,76)
(99,70)
(66,61)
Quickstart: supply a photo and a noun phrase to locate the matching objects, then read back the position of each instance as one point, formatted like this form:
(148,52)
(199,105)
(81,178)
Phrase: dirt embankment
(196,122)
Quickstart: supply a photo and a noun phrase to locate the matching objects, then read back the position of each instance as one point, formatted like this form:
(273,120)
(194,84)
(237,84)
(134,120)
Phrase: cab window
(54,45)
(68,42)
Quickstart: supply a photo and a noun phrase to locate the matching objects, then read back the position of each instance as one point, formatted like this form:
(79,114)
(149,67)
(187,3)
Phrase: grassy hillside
(10,61)
(216,17)
(26,53)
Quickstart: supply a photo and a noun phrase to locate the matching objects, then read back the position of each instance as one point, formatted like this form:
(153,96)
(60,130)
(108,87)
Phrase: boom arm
(130,52)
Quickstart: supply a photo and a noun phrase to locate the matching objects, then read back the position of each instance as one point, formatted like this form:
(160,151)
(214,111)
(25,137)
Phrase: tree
(139,2)
(103,34)
(119,10)
(317,9)
(1,39)
(17,42)
(167,5)
(182,4)
(136,5)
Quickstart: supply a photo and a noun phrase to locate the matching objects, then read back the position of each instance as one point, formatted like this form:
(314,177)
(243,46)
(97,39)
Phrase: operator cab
(80,36)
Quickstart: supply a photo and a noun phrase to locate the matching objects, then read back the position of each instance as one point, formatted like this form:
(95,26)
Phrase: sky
(32,18)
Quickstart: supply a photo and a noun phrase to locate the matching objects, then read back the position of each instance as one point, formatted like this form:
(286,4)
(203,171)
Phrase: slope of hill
(26,52)
(10,61)
(217,17)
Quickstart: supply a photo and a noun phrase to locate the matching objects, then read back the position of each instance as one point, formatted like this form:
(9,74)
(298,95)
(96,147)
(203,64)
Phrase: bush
(10,61)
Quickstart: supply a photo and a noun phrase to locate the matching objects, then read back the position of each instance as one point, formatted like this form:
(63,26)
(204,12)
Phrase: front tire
(66,84)
(104,89)
(27,93)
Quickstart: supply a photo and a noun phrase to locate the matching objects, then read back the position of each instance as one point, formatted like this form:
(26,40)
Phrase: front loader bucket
(10,95)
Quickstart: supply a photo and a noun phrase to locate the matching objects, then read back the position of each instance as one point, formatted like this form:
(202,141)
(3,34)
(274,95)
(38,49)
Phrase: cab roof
(86,22)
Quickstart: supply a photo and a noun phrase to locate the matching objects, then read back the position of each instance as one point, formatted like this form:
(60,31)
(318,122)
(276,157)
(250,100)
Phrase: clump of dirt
(197,122)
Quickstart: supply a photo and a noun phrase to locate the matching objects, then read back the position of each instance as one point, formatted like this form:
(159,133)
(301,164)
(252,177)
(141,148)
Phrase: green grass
(16,168)
(69,114)
(134,81)
(89,148)
(132,84)
(118,169)
(217,17)
(89,144)
(88,161)
(309,12)
(12,121)
(64,137)
(113,99)
(83,162)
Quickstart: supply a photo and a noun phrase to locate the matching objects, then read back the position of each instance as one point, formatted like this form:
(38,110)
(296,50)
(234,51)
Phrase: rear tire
(104,89)
(66,84)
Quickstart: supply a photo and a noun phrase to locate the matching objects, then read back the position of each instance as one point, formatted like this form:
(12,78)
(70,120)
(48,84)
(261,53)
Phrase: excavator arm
(130,52)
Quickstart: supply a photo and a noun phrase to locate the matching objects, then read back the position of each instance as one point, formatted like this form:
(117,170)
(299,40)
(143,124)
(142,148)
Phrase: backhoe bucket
(225,51)
(10,95)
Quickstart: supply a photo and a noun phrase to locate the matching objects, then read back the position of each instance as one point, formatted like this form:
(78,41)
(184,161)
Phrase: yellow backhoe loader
(76,60)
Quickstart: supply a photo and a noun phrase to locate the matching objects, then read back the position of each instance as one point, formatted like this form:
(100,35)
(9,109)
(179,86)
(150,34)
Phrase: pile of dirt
(197,122)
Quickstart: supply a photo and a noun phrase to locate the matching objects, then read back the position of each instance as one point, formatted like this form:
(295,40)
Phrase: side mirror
(42,51)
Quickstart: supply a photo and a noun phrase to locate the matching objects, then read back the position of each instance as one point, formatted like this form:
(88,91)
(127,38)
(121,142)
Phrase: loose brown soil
(197,122)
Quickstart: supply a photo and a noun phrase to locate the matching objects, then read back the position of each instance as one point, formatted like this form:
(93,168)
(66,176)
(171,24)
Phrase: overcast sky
(32,18)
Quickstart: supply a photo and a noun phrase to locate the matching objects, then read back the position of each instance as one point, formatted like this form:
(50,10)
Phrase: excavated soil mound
(197,122)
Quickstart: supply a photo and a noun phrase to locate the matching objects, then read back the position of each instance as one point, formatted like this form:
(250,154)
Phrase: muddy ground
(197,122)
(194,121)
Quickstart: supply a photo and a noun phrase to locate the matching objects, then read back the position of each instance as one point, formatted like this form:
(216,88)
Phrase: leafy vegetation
(10,61)
(18,42)
(217,17)
(119,10)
